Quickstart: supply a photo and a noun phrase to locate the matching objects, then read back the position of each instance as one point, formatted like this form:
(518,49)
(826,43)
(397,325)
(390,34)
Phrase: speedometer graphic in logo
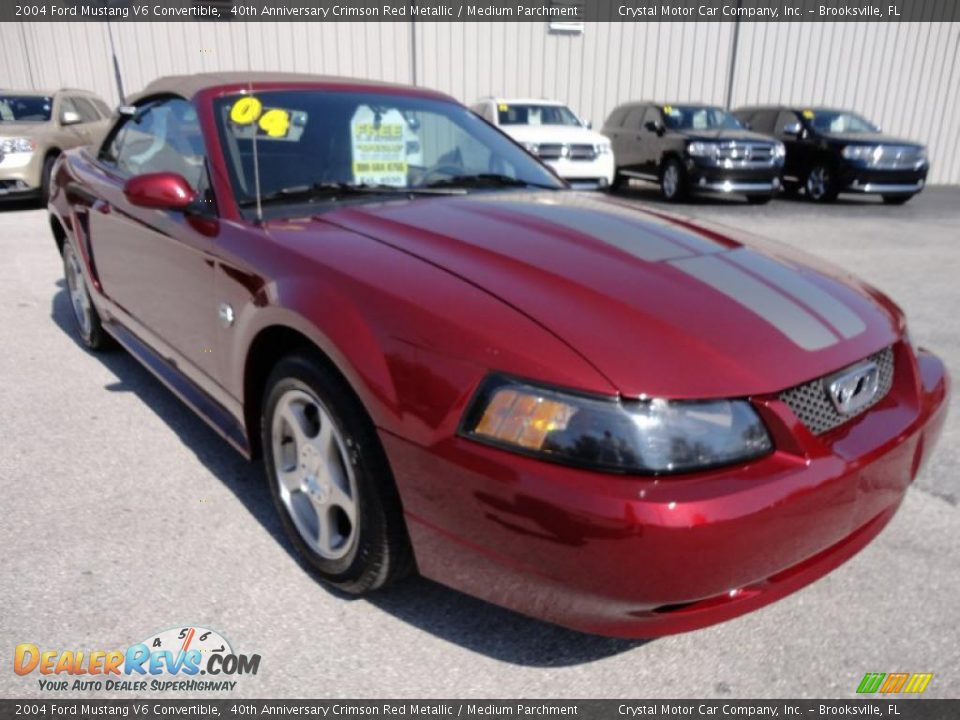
(184,639)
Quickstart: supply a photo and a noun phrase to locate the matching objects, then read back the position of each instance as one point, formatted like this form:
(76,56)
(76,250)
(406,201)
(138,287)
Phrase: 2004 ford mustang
(622,422)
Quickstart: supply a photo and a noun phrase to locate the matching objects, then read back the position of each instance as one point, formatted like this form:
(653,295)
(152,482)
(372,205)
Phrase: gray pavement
(122,514)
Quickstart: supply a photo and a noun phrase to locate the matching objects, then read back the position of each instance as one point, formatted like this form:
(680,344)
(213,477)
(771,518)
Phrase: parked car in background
(692,149)
(35,127)
(605,417)
(553,132)
(837,151)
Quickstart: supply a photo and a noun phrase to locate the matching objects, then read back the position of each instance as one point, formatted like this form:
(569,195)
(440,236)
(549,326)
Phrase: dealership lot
(125,515)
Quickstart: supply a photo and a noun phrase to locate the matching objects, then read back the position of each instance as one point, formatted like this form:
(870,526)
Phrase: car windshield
(695,117)
(834,122)
(25,108)
(530,114)
(292,145)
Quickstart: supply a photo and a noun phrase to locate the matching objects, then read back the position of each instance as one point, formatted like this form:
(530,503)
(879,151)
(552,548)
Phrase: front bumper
(640,557)
(585,173)
(20,174)
(708,178)
(863,179)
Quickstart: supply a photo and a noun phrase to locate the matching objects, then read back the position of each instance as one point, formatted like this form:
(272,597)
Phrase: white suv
(553,133)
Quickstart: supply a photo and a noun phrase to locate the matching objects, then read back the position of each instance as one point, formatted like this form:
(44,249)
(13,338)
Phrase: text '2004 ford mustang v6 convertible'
(622,422)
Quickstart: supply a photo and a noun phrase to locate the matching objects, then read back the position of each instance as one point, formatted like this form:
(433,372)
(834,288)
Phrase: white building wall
(904,76)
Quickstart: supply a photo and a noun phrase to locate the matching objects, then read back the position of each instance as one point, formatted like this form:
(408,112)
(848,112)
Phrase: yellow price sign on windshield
(275,123)
(246,110)
(808,114)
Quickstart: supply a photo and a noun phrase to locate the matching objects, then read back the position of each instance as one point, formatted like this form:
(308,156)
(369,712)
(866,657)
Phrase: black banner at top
(562,15)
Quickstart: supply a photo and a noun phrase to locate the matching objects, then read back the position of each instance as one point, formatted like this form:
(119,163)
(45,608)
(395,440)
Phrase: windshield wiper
(335,190)
(480,180)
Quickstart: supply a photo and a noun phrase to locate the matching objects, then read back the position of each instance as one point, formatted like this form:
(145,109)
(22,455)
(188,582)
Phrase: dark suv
(692,148)
(834,151)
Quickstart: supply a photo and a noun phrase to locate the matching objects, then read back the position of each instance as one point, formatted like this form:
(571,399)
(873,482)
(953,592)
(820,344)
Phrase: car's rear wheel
(673,181)
(819,185)
(759,199)
(896,199)
(330,479)
(85,314)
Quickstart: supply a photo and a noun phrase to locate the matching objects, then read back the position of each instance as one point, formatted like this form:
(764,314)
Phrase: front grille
(583,152)
(745,154)
(811,402)
(897,157)
(553,151)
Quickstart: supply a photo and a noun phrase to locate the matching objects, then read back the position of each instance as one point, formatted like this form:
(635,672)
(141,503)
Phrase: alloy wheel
(671,180)
(315,479)
(818,182)
(79,297)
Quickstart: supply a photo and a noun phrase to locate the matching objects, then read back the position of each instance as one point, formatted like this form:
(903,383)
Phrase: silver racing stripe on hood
(787,316)
(788,279)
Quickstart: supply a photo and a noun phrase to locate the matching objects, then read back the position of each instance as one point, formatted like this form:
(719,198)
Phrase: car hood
(869,139)
(659,305)
(554,134)
(728,135)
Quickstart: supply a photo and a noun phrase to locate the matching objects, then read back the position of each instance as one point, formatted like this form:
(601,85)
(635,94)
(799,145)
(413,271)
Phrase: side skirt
(215,415)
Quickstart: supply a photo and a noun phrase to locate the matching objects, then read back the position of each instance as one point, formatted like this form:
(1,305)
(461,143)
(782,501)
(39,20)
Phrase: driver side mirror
(654,126)
(587,124)
(69,117)
(160,191)
(793,128)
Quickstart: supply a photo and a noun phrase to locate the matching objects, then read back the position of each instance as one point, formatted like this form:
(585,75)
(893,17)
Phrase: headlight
(602,148)
(8,146)
(866,153)
(531,147)
(779,151)
(642,436)
(698,148)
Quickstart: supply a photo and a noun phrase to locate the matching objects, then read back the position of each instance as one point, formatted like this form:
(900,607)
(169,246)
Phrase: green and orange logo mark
(898,682)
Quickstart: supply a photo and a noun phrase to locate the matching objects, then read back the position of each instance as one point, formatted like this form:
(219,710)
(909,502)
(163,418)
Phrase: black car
(692,148)
(836,151)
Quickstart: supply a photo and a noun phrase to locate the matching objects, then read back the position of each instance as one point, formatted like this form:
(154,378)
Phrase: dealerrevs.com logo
(187,659)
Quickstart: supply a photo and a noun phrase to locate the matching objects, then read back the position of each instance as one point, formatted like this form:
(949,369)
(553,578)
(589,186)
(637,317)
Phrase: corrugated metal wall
(904,76)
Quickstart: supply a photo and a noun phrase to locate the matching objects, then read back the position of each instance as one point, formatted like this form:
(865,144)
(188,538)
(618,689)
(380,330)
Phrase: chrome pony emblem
(853,389)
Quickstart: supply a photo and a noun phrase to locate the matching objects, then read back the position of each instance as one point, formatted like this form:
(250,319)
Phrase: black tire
(759,199)
(378,550)
(673,191)
(89,328)
(791,189)
(896,199)
(46,176)
(619,182)
(819,184)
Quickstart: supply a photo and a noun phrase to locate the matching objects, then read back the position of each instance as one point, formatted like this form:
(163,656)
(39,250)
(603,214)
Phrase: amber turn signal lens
(523,419)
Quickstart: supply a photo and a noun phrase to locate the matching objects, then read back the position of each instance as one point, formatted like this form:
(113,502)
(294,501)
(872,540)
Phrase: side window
(634,119)
(651,115)
(764,121)
(616,118)
(101,107)
(786,117)
(163,136)
(86,110)
(67,105)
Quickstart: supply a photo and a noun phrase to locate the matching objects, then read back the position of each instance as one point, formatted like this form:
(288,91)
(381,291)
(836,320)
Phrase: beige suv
(35,127)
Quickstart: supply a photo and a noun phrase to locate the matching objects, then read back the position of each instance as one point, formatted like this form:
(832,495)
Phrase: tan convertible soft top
(189,85)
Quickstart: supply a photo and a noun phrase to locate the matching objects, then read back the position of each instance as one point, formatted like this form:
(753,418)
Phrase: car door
(156,266)
(795,165)
(630,150)
(652,145)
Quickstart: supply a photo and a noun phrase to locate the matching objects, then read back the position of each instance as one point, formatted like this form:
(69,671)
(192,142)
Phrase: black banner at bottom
(914,709)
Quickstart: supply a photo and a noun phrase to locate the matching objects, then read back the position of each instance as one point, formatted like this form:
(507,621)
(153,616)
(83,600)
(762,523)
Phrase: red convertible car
(616,420)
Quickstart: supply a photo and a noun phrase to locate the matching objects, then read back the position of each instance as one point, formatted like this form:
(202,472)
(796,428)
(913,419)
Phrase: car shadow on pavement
(452,616)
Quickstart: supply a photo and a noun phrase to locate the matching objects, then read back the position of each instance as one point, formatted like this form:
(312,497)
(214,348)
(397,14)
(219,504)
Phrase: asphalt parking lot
(123,514)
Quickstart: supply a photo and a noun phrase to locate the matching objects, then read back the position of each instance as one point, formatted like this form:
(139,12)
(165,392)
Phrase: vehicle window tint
(86,110)
(634,118)
(651,115)
(786,117)
(102,107)
(164,136)
(764,121)
(67,105)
